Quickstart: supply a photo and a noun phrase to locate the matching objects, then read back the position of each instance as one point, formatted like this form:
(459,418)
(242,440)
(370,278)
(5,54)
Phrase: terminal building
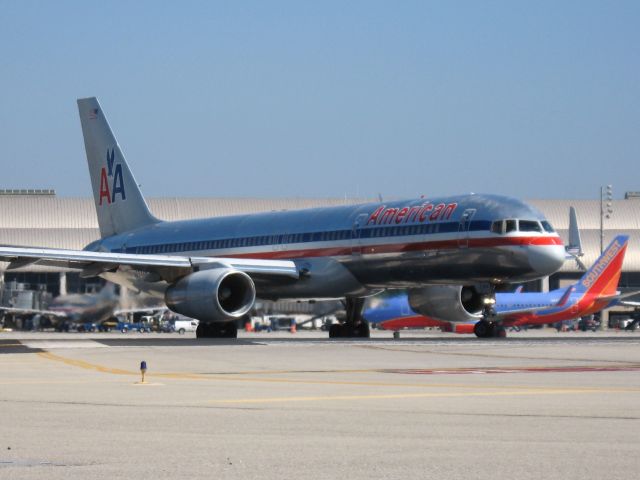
(42,219)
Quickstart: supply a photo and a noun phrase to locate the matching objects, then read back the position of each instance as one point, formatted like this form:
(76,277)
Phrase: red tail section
(602,278)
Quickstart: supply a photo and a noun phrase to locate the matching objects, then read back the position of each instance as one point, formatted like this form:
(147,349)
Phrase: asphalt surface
(278,406)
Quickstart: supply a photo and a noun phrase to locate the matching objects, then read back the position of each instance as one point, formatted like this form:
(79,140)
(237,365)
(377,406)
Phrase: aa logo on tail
(111,180)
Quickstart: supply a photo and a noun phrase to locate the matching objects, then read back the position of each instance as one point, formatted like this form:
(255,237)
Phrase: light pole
(606,209)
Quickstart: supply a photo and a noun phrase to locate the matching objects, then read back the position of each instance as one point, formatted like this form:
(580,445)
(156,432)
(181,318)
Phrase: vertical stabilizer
(603,276)
(119,203)
(575,242)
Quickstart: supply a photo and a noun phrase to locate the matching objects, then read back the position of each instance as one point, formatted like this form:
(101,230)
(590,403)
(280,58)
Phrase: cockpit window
(530,226)
(496,227)
(547,227)
(511,226)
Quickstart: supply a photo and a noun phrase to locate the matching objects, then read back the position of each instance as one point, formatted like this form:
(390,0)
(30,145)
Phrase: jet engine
(451,303)
(215,295)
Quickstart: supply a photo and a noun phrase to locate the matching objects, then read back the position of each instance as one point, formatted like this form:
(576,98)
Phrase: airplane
(81,308)
(595,291)
(213,269)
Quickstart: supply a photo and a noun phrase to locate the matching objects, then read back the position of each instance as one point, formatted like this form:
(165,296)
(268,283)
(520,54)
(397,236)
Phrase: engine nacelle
(447,302)
(216,295)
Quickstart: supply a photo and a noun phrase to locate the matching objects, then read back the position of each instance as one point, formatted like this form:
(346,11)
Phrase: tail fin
(575,241)
(603,276)
(119,203)
(565,297)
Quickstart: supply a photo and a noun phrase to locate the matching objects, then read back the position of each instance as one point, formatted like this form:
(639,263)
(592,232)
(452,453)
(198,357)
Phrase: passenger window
(510,226)
(530,226)
(496,227)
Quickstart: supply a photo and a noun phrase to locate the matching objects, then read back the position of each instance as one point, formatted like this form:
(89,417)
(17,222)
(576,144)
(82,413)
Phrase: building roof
(58,222)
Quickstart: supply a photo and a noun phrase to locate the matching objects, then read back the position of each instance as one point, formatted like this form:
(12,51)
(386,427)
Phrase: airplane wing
(94,263)
(151,310)
(32,311)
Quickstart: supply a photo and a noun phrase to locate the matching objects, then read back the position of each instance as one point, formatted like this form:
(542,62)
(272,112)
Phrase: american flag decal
(93,113)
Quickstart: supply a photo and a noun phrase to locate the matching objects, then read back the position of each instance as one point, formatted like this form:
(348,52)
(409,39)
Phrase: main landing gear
(355,325)
(217,330)
(488,327)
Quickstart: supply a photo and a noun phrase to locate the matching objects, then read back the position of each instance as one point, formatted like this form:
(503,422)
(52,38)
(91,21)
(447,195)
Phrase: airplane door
(356,234)
(463,227)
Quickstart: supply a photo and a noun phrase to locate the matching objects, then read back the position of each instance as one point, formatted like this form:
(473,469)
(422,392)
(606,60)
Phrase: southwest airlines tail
(603,276)
(119,203)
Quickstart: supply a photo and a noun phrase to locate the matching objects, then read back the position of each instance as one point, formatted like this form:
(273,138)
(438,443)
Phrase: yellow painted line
(196,376)
(399,396)
(47,382)
(85,365)
(229,378)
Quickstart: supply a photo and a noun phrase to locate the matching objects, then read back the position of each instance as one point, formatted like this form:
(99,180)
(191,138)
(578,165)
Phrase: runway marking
(400,396)
(45,382)
(85,365)
(488,355)
(493,370)
(54,344)
(207,377)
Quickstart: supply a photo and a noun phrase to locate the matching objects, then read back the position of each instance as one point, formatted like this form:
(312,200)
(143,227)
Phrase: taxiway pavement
(276,406)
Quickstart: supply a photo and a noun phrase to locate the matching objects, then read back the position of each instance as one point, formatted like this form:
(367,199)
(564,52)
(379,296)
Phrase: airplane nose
(546,260)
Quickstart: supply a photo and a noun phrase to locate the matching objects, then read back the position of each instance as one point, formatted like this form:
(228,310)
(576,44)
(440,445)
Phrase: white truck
(185,325)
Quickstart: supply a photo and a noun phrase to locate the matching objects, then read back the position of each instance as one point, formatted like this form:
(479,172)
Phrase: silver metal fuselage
(356,250)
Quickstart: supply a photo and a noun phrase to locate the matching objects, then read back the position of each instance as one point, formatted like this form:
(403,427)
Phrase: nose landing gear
(488,327)
(485,329)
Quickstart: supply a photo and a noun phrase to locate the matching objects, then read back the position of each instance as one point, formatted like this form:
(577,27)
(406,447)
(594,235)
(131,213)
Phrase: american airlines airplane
(213,269)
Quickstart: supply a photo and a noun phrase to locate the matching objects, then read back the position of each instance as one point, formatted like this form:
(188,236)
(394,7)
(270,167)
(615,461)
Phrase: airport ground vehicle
(183,326)
(141,327)
(589,322)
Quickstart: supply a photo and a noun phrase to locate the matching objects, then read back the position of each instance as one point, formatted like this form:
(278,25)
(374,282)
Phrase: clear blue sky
(537,99)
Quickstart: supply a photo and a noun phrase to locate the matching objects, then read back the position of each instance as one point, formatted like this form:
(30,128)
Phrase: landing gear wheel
(355,325)
(217,330)
(362,330)
(228,330)
(484,329)
(481,329)
(335,330)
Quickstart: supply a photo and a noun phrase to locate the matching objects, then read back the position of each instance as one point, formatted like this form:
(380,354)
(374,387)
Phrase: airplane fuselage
(355,250)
